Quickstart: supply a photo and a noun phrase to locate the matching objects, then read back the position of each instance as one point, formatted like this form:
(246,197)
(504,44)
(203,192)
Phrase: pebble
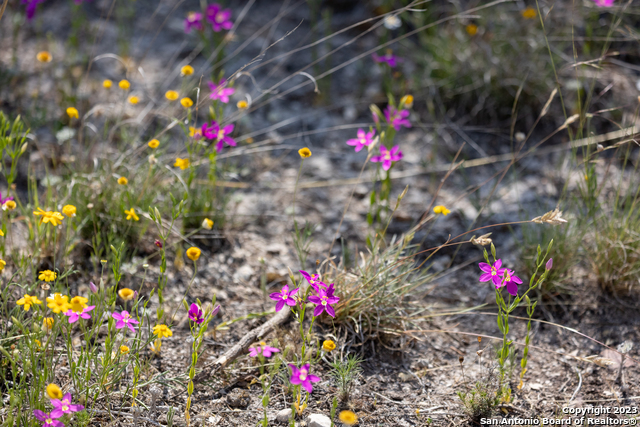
(238,398)
(318,420)
(283,415)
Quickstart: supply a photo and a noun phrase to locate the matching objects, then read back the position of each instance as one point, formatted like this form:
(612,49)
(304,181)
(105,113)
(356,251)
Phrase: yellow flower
(187,70)
(43,56)
(171,95)
(348,418)
(69,210)
(9,205)
(162,331)
(47,276)
(242,104)
(126,294)
(328,345)
(47,323)
(195,132)
(124,84)
(131,214)
(153,143)
(249,140)
(186,102)
(193,253)
(124,349)
(107,84)
(2,264)
(59,303)
(72,113)
(304,152)
(472,29)
(441,210)
(207,223)
(123,180)
(28,301)
(529,13)
(182,163)
(407,101)
(54,392)
(77,304)
(55,218)
(133,100)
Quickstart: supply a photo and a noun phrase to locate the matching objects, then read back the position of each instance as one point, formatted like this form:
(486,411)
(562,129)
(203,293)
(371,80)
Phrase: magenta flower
(31,8)
(302,376)
(196,314)
(492,272)
(511,281)
(549,264)
(124,319)
(364,139)
(3,201)
(64,406)
(314,281)
(158,243)
(220,19)
(388,58)
(323,301)
(264,349)
(284,297)
(221,134)
(48,419)
(387,156)
(603,3)
(193,20)
(219,91)
(397,118)
(73,316)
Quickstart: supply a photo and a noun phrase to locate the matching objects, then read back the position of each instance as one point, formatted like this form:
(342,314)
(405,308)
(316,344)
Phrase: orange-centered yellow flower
(9,205)
(171,95)
(187,70)
(126,294)
(441,210)
(529,13)
(154,143)
(131,215)
(77,304)
(328,345)
(59,303)
(162,331)
(242,104)
(124,84)
(124,349)
(69,210)
(186,102)
(43,56)
(107,84)
(123,180)
(133,100)
(304,152)
(72,113)
(27,301)
(472,29)
(55,218)
(347,417)
(54,392)
(193,253)
(47,276)
(195,132)
(182,163)
(407,101)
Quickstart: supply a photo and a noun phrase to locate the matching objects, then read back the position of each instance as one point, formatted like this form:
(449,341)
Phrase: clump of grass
(482,399)
(344,373)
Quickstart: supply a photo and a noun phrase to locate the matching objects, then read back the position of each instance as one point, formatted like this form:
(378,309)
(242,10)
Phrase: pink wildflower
(511,281)
(124,319)
(492,272)
(64,406)
(603,3)
(48,419)
(388,58)
(323,301)
(388,156)
(220,91)
(302,376)
(284,297)
(193,20)
(73,316)
(264,349)
(220,19)
(397,118)
(364,139)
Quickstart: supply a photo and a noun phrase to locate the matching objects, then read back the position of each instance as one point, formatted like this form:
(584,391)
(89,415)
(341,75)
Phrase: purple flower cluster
(218,18)
(388,58)
(220,91)
(386,156)
(500,276)
(324,297)
(61,407)
(219,134)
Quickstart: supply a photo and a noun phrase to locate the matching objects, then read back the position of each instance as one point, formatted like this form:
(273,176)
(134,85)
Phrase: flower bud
(93,287)
(549,264)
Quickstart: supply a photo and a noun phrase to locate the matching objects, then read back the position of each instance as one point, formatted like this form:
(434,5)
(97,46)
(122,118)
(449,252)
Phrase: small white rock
(284,415)
(318,420)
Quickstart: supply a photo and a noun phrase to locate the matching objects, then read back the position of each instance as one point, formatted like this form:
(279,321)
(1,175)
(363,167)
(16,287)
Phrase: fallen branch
(242,345)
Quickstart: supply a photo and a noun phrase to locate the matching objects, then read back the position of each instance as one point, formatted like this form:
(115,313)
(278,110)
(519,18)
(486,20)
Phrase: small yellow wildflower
(9,205)
(54,392)
(153,143)
(472,29)
(47,276)
(123,180)
(55,218)
(186,102)
(72,113)
(43,56)
(47,323)
(182,163)
(529,13)
(195,132)
(187,70)
(126,294)
(171,95)
(207,223)
(77,304)
(27,301)
(193,253)
(69,210)
(131,214)
(328,345)
(107,84)
(347,417)
(162,331)
(133,100)
(249,140)
(124,349)
(441,210)
(242,104)
(407,101)
(59,303)
(124,84)
(304,152)
(2,264)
